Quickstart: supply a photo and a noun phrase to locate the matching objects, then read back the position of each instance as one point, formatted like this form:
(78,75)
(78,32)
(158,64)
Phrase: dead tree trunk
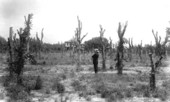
(18,50)
(111,53)
(152,74)
(153,70)
(40,43)
(130,42)
(120,49)
(160,48)
(140,51)
(11,51)
(103,48)
(79,41)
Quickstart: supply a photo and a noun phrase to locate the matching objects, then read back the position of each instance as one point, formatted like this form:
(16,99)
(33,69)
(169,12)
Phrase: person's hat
(96,50)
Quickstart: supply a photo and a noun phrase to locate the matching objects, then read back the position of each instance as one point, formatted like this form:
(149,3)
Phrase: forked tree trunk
(120,49)
(17,50)
(79,41)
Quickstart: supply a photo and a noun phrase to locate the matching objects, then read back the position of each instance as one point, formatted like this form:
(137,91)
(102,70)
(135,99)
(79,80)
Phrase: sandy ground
(75,98)
(167,69)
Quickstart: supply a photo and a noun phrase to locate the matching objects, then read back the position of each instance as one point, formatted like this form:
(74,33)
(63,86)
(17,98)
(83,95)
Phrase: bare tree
(139,50)
(102,31)
(111,53)
(18,49)
(40,42)
(160,48)
(120,48)
(153,70)
(79,40)
(130,42)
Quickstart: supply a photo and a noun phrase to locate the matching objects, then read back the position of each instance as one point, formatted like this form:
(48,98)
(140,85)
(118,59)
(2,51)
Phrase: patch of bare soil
(166,69)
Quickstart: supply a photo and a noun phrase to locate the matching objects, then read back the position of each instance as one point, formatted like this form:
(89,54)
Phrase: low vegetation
(37,70)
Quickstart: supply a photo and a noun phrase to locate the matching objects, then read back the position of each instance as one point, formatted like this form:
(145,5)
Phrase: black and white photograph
(84,51)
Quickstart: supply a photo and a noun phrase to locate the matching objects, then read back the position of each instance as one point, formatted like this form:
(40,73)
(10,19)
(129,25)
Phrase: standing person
(95,57)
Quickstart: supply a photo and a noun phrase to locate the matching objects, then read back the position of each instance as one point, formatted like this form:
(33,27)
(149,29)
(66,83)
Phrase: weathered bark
(79,41)
(120,49)
(11,51)
(18,50)
(160,48)
(153,71)
(130,49)
(102,31)
(152,74)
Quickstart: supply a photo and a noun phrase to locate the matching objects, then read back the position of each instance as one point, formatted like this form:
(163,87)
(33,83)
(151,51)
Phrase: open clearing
(85,86)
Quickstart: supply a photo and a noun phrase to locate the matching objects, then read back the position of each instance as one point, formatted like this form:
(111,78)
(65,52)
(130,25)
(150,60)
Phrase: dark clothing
(95,67)
(95,62)
(95,58)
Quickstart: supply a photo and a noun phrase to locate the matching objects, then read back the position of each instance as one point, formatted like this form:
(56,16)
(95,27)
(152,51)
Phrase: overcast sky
(59,17)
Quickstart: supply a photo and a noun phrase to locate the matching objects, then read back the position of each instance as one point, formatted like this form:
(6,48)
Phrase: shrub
(129,93)
(32,82)
(29,85)
(38,84)
(160,93)
(47,91)
(142,89)
(58,86)
(63,76)
(166,84)
(106,93)
(116,94)
(17,92)
(100,88)
(78,86)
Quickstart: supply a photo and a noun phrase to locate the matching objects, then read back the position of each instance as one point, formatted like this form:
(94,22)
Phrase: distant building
(72,44)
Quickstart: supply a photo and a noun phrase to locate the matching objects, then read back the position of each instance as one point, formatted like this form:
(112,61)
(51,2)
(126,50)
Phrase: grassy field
(58,80)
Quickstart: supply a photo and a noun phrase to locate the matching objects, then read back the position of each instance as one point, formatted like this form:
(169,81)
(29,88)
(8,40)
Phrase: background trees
(95,42)
(3,45)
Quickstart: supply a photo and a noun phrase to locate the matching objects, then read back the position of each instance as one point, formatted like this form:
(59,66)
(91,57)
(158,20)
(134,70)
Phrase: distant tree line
(3,45)
(88,46)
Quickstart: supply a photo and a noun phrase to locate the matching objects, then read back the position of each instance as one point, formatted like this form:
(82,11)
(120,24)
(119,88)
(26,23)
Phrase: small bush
(129,93)
(47,91)
(17,92)
(115,95)
(58,86)
(160,93)
(77,85)
(32,82)
(105,93)
(100,88)
(62,76)
(9,79)
(142,89)
(29,85)
(146,92)
(166,84)
(38,84)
